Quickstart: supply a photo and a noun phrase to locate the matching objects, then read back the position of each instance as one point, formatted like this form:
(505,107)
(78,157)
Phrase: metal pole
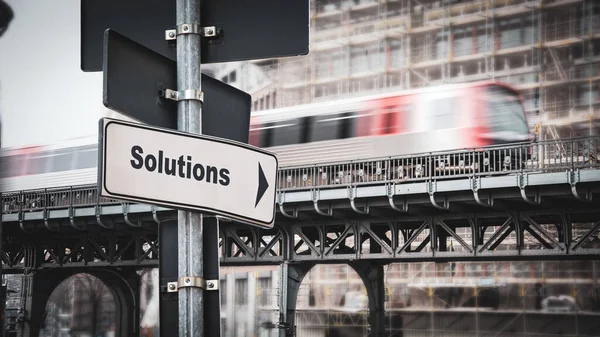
(189,119)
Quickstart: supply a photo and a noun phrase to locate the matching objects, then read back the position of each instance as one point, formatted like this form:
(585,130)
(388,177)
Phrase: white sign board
(185,171)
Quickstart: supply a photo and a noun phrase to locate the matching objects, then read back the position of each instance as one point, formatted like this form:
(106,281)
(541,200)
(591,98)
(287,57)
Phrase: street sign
(144,20)
(245,29)
(134,76)
(186,171)
(182,169)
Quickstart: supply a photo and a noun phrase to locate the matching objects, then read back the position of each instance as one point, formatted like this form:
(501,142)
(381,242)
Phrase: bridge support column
(34,294)
(372,276)
(290,278)
(167,272)
(126,290)
(25,323)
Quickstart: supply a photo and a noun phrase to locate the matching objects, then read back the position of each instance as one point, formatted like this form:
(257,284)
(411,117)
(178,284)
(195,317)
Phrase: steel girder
(386,240)
(497,236)
(513,216)
(39,248)
(535,217)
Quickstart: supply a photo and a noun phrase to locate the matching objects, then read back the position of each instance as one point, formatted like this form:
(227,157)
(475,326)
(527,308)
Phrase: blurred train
(425,120)
(418,121)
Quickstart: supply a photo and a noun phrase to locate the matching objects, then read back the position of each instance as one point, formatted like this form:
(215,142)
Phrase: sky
(45,97)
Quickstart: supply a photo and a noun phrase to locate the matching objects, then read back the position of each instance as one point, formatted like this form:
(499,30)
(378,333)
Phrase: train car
(67,163)
(432,119)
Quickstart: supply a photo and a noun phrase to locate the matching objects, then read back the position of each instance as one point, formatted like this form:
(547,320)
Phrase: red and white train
(416,121)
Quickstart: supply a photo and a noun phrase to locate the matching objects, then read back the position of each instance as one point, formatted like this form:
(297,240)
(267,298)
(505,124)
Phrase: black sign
(135,76)
(6,16)
(248,29)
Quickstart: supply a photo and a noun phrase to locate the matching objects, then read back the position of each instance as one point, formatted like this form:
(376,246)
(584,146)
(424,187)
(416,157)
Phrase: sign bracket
(193,28)
(192,282)
(173,95)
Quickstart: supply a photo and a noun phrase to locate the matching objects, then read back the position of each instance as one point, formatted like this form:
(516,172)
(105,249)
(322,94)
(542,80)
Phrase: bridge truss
(513,202)
(519,202)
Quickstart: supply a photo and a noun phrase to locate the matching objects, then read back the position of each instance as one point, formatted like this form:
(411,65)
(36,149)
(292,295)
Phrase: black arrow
(262,185)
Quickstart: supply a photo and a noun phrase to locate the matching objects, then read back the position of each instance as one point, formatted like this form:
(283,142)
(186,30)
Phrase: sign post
(189,119)
(192,173)
(138,65)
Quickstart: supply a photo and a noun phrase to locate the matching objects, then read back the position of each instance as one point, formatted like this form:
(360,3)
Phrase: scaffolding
(547,49)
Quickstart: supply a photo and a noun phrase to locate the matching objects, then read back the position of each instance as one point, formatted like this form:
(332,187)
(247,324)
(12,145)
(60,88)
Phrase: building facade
(547,49)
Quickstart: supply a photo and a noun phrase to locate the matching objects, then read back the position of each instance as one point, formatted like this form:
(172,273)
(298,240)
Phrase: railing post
(429,165)
(523,150)
(573,154)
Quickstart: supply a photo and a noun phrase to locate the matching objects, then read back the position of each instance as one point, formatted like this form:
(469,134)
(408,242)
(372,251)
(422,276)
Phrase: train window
(388,121)
(37,163)
(289,132)
(61,161)
(362,124)
(11,166)
(254,135)
(330,127)
(86,158)
(5,166)
(407,109)
(505,111)
(324,128)
(266,135)
(444,112)
(348,123)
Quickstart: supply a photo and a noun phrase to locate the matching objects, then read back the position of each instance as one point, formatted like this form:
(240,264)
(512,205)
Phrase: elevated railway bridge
(516,202)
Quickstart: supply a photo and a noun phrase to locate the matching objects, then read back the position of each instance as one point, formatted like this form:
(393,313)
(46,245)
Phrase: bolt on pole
(189,119)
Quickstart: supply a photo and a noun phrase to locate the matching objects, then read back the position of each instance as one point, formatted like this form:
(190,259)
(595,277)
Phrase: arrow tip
(263,185)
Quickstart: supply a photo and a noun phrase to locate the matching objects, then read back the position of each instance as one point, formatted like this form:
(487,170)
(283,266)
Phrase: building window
(223,293)
(241,292)
(266,296)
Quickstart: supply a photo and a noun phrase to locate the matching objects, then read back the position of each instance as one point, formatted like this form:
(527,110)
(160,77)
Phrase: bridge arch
(123,284)
(372,280)
(82,301)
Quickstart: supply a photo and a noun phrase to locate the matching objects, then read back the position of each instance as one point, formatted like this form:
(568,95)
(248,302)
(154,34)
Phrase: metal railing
(546,156)
(54,198)
(538,157)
